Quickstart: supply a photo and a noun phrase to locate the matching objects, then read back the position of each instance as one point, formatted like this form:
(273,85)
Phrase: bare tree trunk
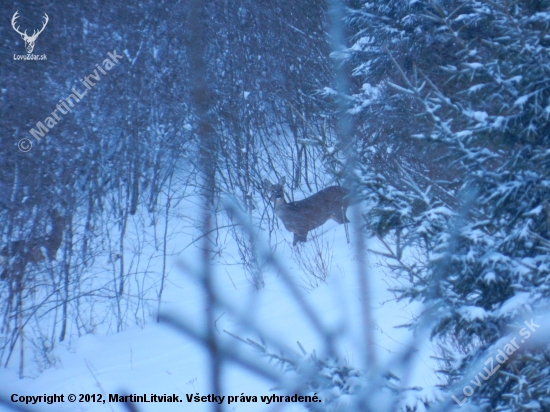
(65,292)
(21,327)
(336,16)
(164,245)
(196,47)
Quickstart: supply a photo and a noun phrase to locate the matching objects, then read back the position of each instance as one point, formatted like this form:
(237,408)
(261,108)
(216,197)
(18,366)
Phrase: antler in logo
(29,40)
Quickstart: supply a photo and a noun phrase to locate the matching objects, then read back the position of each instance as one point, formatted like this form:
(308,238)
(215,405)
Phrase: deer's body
(22,252)
(304,215)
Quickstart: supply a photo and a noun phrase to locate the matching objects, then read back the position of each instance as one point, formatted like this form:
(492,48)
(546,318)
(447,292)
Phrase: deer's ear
(267,184)
(282,180)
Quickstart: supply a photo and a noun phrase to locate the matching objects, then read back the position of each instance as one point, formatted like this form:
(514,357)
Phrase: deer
(38,249)
(302,216)
(29,40)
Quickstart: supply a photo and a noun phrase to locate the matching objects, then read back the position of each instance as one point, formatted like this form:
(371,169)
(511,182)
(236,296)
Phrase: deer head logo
(29,40)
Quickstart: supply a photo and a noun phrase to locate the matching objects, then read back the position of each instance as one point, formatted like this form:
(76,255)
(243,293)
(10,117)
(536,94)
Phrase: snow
(479,116)
(517,304)
(157,359)
(415,400)
(471,313)
(521,101)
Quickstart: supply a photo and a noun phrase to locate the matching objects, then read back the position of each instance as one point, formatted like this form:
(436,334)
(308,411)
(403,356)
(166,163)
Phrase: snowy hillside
(156,359)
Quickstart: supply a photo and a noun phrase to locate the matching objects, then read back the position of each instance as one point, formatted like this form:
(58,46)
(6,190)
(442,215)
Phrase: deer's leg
(346,220)
(299,237)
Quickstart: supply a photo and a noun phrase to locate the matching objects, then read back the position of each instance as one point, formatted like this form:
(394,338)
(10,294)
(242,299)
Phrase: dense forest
(434,114)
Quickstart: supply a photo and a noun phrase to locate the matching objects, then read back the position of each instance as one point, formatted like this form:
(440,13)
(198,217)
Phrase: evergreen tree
(452,102)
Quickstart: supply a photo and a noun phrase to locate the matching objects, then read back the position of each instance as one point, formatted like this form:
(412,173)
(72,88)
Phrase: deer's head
(29,40)
(275,191)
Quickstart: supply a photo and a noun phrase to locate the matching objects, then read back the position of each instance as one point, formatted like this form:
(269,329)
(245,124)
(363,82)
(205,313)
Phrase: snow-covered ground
(157,359)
